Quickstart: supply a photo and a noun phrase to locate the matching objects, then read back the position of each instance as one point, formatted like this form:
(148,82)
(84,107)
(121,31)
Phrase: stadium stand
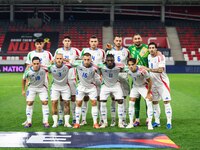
(189,35)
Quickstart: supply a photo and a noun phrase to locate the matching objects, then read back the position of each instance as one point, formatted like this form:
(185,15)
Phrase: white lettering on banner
(49,139)
(150,39)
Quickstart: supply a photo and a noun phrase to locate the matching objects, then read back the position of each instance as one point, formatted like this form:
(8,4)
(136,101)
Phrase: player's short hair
(59,54)
(35,58)
(153,43)
(39,40)
(110,55)
(133,60)
(67,37)
(117,35)
(87,54)
(136,34)
(93,37)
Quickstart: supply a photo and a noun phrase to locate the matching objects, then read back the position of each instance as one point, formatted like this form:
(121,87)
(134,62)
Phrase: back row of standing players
(146,67)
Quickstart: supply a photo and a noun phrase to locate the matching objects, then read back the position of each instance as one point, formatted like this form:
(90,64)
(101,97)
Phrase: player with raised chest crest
(141,86)
(160,87)
(70,54)
(111,85)
(36,76)
(86,87)
(59,71)
(121,55)
(98,56)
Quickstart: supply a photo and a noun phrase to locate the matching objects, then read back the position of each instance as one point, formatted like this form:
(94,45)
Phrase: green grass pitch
(185,89)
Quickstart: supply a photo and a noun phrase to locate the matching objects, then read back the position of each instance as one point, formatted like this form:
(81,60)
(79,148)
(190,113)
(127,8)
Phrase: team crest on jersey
(123,54)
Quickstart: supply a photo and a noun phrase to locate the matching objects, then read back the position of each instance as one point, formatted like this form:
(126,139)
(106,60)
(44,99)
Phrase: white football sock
(73,106)
(156,111)
(168,112)
(29,113)
(67,119)
(149,111)
(120,112)
(124,115)
(104,112)
(113,110)
(131,111)
(78,114)
(84,110)
(55,119)
(94,114)
(45,111)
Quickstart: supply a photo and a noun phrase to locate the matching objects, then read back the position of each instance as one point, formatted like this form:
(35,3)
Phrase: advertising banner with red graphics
(23,42)
(160,41)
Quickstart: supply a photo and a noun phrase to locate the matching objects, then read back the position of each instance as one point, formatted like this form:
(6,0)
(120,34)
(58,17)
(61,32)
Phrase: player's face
(137,40)
(59,59)
(67,43)
(39,46)
(132,66)
(93,43)
(110,62)
(118,41)
(152,50)
(87,61)
(36,65)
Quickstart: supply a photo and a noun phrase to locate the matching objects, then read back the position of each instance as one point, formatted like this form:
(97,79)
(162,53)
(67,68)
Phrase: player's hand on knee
(149,97)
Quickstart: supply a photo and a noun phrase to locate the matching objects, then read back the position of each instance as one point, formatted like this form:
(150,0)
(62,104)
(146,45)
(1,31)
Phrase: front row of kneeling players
(86,73)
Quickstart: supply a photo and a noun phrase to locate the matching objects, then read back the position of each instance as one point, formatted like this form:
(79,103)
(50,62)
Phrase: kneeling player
(141,86)
(86,86)
(60,88)
(111,85)
(36,76)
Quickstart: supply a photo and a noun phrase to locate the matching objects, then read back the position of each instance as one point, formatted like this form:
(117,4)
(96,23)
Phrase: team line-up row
(92,74)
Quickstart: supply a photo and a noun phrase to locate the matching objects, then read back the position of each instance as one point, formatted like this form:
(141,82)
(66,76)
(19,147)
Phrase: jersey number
(118,59)
(110,75)
(84,75)
(59,74)
(93,57)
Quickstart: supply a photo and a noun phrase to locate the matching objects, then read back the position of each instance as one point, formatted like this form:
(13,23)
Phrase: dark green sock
(137,108)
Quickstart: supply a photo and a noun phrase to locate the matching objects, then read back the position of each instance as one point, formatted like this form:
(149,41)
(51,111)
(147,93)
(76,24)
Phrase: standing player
(160,87)
(60,88)
(44,56)
(111,85)
(140,52)
(86,86)
(98,56)
(141,86)
(70,54)
(36,76)
(121,55)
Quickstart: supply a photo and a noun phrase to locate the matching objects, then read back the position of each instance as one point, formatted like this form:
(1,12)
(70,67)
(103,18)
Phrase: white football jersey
(72,54)
(86,76)
(36,78)
(121,56)
(45,57)
(98,55)
(60,75)
(154,63)
(139,77)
